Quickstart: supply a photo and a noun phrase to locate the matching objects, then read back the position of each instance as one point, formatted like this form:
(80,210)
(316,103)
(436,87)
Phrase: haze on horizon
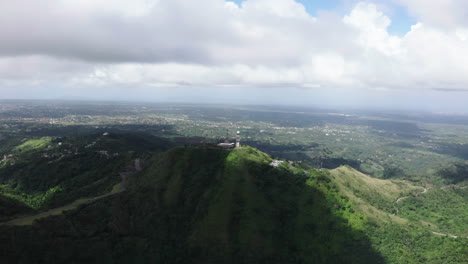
(402,54)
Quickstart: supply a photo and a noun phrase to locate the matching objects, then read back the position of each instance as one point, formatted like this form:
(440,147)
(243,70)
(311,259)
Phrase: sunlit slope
(444,209)
(33,144)
(403,232)
(375,197)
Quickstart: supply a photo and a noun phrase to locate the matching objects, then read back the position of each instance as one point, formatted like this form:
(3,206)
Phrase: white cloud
(213,43)
(279,8)
(436,58)
(115,7)
(372,25)
(441,13)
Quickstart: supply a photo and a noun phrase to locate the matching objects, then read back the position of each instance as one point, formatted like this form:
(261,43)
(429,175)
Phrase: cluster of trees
(455,173)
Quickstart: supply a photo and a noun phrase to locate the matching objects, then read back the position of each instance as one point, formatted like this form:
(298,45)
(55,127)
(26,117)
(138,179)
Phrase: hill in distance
(48,172)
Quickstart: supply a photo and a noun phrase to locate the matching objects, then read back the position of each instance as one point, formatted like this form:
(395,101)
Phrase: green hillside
(404,218)
(444,208)
(194,205)
(44,173)
(205,205)
(374,197)
(232,207)
(33,144)
(441,209)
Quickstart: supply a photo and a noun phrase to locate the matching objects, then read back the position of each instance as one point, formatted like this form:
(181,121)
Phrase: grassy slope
(407,238)
(375,197)
(33,144)
(441,209)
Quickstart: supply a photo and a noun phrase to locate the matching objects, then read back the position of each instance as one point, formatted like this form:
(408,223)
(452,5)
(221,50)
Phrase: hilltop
(194,205)
(233,207)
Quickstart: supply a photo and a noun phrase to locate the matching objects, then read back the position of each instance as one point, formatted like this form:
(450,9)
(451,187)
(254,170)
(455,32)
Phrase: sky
(404,54)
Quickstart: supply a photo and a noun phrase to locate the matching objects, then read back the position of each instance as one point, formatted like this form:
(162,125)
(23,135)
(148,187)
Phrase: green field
(33,144)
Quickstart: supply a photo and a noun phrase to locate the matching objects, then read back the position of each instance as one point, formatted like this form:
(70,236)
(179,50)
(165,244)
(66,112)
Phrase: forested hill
(48,172)
(194,205)
(233,207)
(200,205)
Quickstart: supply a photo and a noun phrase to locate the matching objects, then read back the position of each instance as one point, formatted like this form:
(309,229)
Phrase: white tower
(238,140)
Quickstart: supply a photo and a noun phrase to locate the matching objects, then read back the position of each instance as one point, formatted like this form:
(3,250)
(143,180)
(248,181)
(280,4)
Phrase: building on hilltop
(228,145)
(276,163)
(225,145)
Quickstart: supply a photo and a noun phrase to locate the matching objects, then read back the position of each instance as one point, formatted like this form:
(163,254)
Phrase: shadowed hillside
(193,205)
(10,207)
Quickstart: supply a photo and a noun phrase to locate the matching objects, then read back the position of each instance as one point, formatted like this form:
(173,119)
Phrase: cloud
(444,14)
(372,25)
(168,31)
(205,31)
(213,43)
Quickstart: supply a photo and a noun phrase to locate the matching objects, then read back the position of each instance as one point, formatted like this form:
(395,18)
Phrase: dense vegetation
(206,206)
(196,205)
(11,207)
(235,208)
(443,208)
(455,173)
(44,173)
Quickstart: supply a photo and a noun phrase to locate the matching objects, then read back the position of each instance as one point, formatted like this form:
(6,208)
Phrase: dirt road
(59,210)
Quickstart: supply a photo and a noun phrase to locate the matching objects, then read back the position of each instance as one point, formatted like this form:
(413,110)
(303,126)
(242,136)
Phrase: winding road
(440,234)
(404,197)
(122,187)
(424,191)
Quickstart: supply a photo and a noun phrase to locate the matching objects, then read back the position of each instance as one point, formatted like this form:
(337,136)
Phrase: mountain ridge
(203,205)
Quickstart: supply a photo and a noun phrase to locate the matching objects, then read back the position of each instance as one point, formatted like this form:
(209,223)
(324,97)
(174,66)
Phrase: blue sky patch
(401,20)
